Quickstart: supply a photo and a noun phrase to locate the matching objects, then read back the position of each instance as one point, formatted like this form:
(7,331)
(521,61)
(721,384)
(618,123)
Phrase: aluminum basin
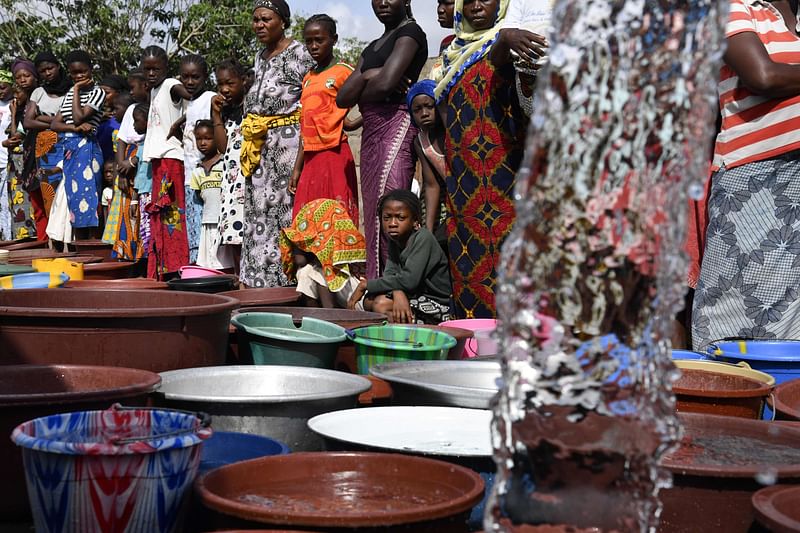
(470,384)
(273,401)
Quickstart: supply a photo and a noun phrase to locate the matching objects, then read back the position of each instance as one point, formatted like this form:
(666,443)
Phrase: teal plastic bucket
(390,343)
(273,339)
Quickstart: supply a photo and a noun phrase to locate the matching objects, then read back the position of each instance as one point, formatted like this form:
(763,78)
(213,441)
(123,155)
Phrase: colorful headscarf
(425,87)
(469,46)
(324,228)
(24,64)
(6,77)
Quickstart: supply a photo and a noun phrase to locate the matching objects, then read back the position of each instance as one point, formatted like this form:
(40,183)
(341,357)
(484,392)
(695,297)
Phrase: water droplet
(696,191)
(768,476)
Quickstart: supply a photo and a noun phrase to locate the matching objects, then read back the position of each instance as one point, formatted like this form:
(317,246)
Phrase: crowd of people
(258,176)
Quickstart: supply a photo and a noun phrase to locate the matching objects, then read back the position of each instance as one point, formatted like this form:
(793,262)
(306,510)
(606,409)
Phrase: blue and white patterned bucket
(122,470)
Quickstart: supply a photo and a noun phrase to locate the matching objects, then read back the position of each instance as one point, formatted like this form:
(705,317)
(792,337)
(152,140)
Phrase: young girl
(227,112)
(143,179)
(167,207)
(193,76)
(415,287)
(77,121)
(206,181)
(325,167)
(429,148)
(324,250)
(122,225)
(108,193)
(6,98)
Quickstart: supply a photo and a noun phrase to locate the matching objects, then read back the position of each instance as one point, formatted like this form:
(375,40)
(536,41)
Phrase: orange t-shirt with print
(321,121)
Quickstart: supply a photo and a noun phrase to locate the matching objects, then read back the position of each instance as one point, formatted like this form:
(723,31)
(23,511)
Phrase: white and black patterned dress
(268,205)
(231,216)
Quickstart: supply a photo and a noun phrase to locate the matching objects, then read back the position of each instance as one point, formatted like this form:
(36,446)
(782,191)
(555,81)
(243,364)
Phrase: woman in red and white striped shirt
(749,284)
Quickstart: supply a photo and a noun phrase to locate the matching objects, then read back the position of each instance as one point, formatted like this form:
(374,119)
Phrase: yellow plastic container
(740,369)
(59,265)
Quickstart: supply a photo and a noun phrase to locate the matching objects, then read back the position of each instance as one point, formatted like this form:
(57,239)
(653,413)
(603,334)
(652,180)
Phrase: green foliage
(113,31)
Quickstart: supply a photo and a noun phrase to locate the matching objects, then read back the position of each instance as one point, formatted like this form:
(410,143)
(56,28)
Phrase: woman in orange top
(325,167)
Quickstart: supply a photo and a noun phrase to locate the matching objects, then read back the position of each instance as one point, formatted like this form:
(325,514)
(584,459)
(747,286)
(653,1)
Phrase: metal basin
(444,383)
(273,401)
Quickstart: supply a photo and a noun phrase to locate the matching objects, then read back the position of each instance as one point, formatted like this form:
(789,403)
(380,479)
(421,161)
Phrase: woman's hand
(359,293)
(217,103)
(528,45)
(83,84)
(293,181)
(401,308)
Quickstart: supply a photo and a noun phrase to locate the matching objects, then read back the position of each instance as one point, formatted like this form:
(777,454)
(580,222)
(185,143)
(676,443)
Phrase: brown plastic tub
(117,284)
(346,356)
(717,469)
(92,247)
(23,244)
(786,400)
(264,297)
(777,508)
(152,330)
(701,391)
(343,491)
(108,270)
(30,391)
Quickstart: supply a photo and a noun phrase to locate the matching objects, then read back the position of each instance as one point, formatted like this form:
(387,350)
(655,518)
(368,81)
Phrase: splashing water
(620,139)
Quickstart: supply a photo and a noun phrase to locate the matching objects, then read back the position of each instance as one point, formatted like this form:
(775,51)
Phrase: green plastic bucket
(390,343)
(273,339)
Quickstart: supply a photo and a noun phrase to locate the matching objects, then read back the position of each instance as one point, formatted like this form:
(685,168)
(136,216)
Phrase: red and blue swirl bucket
(120,470)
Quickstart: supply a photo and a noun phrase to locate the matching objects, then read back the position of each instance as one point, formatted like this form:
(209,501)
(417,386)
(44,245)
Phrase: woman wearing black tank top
(387,68)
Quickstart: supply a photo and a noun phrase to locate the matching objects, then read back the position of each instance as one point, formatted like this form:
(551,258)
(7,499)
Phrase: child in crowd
(122,225)
(227,112)
(77,121)
(6,97)
(324,250)
(143,179)
(324,167)
(108,190)
(108,129)
(415,286)
(193,76)
(167,206)
(429,148)
(205,182)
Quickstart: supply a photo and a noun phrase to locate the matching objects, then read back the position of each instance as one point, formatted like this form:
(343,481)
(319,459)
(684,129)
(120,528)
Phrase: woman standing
(387,68)
(44,104)
(27,205)
(77,121)
(483,145)
(749,284)
(271,138)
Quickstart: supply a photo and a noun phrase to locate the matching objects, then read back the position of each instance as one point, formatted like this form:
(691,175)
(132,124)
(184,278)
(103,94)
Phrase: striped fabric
(94,98)
(754,127)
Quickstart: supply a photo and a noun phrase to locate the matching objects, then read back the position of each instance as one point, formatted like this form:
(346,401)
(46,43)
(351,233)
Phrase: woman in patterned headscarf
(484,137)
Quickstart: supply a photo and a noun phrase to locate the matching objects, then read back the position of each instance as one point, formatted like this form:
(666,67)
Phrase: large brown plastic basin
(108,270)
(266,296)
(148,329)
(117,284)
(700,391)
(332,491)
(92,247)
(717,468)
(786,400)
(30,391)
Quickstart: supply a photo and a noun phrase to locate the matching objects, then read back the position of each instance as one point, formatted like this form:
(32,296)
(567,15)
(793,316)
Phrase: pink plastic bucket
(481,344)
(194,271)
(484,343)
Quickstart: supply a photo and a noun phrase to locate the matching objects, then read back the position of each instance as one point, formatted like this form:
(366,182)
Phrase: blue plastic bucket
(780,359)
(122,469)
(227,447)
(688,355)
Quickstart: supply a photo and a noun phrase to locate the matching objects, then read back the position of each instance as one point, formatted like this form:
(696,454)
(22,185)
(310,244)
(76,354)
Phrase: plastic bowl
(194,271)
(385,344)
